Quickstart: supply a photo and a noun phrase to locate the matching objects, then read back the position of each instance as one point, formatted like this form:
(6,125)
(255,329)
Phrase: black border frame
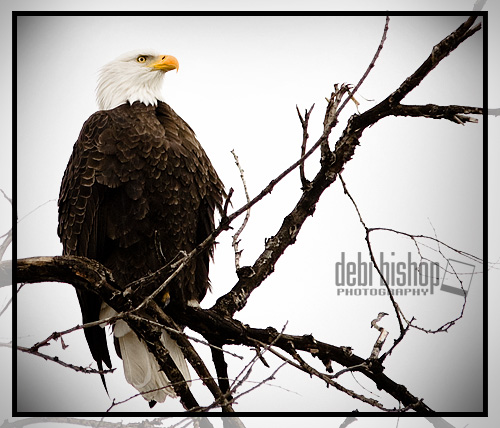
(153,413)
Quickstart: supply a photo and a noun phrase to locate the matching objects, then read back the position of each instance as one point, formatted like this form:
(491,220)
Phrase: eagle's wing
(82,220)
(205,183)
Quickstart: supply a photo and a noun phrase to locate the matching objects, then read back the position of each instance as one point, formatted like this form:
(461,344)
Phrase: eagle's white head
(134,76)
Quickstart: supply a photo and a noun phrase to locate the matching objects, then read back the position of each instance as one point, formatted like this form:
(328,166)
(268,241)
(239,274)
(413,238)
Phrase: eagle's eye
(141,58)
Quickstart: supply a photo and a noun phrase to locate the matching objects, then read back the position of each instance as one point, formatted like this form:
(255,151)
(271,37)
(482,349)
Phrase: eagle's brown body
(138,189)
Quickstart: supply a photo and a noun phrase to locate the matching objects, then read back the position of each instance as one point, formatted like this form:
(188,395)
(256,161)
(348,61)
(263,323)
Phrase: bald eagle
(138,190)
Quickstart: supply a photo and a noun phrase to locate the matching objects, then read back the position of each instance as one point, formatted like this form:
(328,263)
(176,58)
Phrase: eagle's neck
(119,84)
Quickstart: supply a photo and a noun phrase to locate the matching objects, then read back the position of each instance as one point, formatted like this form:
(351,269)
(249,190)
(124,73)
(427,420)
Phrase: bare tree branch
(439,52)
(209,323)
(453,113)
(275,246)
(381,339)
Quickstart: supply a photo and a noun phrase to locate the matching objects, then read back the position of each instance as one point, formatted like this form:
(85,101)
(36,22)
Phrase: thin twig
(328,379)
(236,236)
(5,307)
(35,209)
(62,363)
(5,196)
(304,121)
(399,313)
(8,235)
(370,66)
(412,236)
(372,256)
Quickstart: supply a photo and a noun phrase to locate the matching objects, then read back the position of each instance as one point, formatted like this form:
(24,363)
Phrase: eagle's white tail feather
(140,366)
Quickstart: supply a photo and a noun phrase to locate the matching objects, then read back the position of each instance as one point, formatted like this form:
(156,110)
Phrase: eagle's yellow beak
(165,63)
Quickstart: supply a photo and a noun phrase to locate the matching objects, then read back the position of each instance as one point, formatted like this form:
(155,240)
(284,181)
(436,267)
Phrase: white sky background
(239,81)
